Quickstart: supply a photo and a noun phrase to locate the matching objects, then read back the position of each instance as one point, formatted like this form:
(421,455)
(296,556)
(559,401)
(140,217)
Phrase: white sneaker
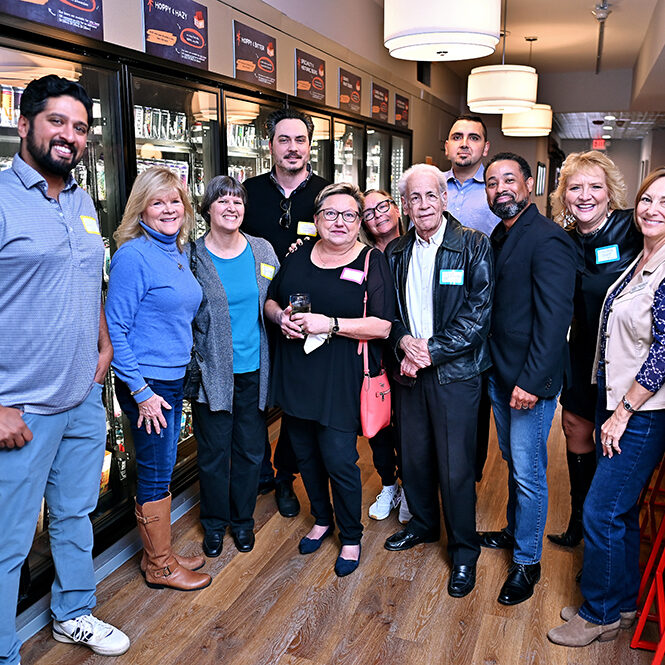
(102,638)
(404,512)
(386,501)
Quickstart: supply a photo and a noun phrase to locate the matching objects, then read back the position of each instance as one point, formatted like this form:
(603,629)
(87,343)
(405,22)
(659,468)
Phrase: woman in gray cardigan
(234,270)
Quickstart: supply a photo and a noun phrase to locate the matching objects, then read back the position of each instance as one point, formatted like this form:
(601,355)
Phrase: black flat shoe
(244,540)
(518,587)
(309,545)
(405,540)
(462,580)
(213,543)
(287,501)
(498,540)
(344,567)
(571,537)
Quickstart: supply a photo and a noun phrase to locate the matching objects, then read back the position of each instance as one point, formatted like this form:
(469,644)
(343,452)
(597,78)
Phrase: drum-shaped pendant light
(536,122)
(502,89)
(433,30)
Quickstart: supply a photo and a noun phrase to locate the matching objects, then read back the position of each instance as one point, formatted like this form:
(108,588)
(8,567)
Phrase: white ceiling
(567,35)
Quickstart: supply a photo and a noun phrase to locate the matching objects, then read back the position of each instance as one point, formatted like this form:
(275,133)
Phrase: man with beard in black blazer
(534,269)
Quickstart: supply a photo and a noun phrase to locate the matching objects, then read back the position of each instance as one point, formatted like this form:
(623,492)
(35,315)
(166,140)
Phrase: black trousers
(483,432)
(327,455)
(386,454)
(437,425)
(230,450)
(285,458)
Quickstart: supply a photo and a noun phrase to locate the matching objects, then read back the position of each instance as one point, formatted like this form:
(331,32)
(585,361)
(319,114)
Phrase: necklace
(171,256)
(595,232)
(340,256)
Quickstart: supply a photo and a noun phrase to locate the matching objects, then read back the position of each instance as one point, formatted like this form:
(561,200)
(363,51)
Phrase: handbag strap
(192,257)
(362,344)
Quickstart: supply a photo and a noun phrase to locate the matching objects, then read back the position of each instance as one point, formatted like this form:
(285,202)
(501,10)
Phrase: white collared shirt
(420,282)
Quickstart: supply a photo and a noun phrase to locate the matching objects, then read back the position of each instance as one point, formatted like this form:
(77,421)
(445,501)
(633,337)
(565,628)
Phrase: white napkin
(313,342)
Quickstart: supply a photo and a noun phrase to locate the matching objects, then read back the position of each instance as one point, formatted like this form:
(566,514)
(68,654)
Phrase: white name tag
(306,229)
(267,271)
(353,275)
(454,277)
(607,254)
(90,224)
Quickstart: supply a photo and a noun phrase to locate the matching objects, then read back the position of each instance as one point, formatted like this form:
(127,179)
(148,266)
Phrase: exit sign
(598,144)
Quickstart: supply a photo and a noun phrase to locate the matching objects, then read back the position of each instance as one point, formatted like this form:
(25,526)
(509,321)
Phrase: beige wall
(353,40)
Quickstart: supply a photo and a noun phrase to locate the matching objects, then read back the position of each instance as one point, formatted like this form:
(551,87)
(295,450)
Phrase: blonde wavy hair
(147,186)
(585,161)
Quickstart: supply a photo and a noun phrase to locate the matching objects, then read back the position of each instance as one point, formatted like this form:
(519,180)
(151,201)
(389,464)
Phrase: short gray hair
(428,169)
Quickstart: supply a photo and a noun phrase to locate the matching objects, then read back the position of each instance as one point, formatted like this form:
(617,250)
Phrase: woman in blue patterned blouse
(630,431)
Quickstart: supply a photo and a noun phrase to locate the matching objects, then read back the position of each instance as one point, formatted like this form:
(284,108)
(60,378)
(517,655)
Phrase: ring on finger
(525,406)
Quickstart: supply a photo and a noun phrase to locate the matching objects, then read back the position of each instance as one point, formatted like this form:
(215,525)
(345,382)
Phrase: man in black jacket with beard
(534,268)
(443,276)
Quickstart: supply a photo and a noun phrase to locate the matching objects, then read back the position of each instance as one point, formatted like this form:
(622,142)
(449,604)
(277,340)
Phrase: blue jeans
(522,438)
(62,463)
(611,574)
(155,453)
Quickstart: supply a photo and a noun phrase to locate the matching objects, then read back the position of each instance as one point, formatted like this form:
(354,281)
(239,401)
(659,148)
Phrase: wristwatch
(627,405)
(335,328)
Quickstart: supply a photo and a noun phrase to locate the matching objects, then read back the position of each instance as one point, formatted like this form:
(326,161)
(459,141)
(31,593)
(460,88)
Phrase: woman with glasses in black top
(317,371)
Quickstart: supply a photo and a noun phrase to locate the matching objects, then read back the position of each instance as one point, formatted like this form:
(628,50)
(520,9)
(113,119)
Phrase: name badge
(453,277)
(353,275)
(90,224)
(267,271)
(306,229)
(607,254)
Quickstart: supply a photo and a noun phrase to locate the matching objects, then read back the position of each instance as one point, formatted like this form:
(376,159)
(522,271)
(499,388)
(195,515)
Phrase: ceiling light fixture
(608,128)
(536,122)
(502,88)
(610,117)
(434,30)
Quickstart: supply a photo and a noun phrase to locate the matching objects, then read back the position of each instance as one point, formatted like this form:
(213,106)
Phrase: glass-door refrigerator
(321,148)
(247,148)
(400,156)
(101,174)
(378,160)
(177,126)
(348,138)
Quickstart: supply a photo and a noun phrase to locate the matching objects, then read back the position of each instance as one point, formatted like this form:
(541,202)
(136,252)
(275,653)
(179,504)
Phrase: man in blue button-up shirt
(466,146)
(54,355)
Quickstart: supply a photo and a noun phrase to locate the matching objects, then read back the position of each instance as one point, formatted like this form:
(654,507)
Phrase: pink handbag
(375,391)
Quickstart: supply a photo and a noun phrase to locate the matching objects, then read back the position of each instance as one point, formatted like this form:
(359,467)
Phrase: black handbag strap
(192,257)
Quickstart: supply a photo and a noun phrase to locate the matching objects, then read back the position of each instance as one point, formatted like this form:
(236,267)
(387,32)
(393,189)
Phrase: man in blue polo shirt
(54,354)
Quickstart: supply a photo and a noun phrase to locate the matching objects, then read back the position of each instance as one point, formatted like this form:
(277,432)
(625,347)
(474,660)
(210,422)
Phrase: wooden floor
(276,607)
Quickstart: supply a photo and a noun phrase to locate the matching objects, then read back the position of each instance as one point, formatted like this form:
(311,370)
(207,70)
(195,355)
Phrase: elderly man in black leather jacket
(444,279)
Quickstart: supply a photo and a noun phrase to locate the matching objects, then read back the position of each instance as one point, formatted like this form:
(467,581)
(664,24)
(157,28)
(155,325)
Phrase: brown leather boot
(163,569)
(189,562)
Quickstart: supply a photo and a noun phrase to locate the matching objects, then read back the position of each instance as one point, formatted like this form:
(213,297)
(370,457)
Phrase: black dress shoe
(405,540)
(212,543)
(498,540)
(518,587)
(462,580)
(265,486)
(287,502)
(244,540)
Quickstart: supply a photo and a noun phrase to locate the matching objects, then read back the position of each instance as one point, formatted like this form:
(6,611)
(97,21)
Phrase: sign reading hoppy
(83,17)
(254,56)
(177,30)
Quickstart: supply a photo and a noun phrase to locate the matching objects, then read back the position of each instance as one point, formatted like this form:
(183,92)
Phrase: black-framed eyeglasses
(384,206)
(285,219)
(331,215)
